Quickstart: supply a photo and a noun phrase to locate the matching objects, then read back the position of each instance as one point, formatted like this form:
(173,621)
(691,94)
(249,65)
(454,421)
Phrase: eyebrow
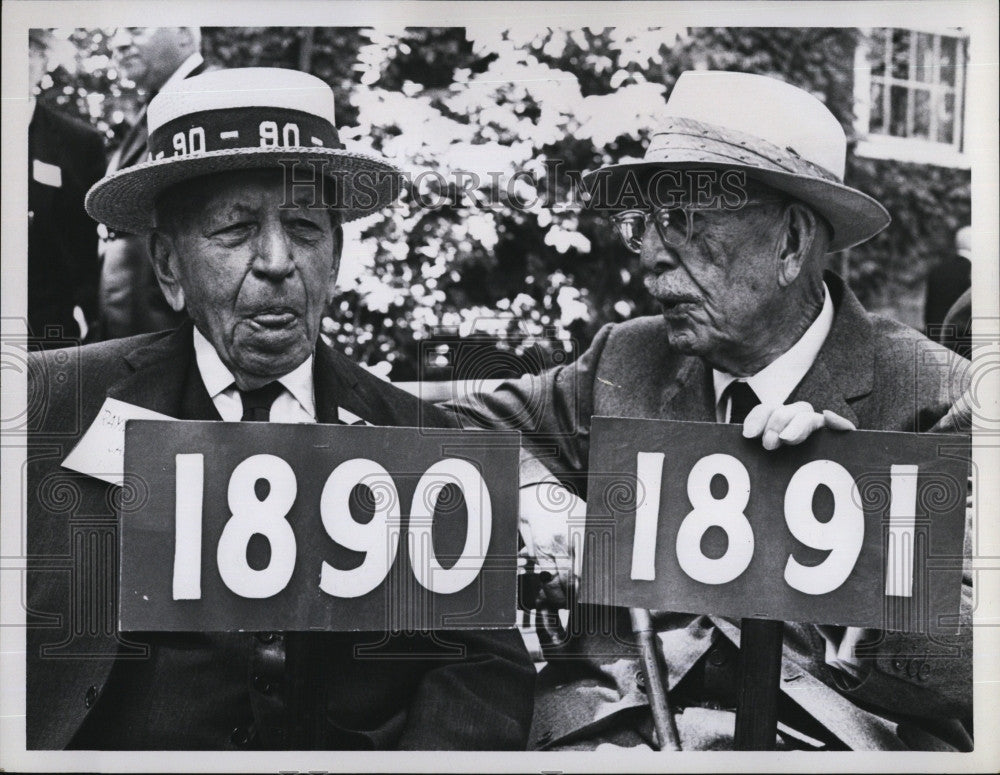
(305,206)
(235,208)
(211,216)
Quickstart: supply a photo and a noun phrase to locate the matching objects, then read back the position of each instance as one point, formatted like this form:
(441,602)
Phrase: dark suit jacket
(877,373)
(428,700)
(956,328)
(62,239)
(945,283)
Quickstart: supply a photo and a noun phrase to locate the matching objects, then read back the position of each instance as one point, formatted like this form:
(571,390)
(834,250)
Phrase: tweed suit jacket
(877,373)
(434,698)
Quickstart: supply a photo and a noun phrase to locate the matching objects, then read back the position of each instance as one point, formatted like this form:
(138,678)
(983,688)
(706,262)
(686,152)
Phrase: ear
(798,238)
(185,39)
(166,266)
(338,247)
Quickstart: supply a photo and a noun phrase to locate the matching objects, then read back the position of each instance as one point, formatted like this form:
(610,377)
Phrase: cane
(656,686)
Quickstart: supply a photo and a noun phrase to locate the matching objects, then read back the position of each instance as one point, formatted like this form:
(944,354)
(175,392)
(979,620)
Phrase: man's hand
(552,518)
(790,423)
(552,523)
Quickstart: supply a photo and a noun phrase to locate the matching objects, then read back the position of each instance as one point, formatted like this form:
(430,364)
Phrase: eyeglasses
(675,225)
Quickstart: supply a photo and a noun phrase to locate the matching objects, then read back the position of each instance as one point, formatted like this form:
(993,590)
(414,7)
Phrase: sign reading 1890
(253,526)
(860,528)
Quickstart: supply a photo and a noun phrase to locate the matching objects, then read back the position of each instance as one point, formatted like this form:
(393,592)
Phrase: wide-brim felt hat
(241,119)
(775,133)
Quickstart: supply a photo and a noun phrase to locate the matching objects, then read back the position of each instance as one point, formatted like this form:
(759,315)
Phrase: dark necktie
(257,403)
(743,400)
(759,662)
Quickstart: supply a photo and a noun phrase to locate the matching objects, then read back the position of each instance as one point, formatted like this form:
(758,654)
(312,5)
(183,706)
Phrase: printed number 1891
(842,535)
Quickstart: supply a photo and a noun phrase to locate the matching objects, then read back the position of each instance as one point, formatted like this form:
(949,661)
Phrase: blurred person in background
(946,282)
(130,299)
(956,326)
(65,158)
(956,330)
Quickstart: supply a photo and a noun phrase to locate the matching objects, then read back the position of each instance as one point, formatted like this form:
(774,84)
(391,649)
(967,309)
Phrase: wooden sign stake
(656,683)
(757,689)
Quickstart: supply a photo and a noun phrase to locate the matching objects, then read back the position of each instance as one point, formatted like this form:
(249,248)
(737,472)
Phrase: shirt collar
(775,382)
(299,382)
(218,378)
(184,70)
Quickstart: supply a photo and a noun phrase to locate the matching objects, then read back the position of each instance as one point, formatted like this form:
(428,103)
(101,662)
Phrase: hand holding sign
(836,531)
(790,424)
(552,517)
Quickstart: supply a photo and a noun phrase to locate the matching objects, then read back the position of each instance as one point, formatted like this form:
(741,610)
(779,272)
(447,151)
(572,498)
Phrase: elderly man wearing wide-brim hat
(733,211)
(252,260)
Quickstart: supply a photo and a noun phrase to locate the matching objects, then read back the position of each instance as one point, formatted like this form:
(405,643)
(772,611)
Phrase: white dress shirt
(775,382)
(296,403)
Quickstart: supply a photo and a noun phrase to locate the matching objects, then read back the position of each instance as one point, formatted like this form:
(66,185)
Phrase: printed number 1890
(378,538)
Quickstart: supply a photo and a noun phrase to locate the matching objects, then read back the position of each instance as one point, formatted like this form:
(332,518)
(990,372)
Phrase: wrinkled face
(717,289)
(254,276)
(148,56)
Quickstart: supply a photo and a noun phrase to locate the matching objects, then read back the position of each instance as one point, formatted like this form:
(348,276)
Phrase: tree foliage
(421,284)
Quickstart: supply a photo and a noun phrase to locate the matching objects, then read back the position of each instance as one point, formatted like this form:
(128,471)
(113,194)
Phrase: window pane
(901,54)
(925,57)
(946,119)
(876,51)
(921,113)
(876,121)
(948,51)
(897,106)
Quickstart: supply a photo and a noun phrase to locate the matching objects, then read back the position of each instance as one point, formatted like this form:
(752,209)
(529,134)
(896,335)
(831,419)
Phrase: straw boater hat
(243,119)
(778,134)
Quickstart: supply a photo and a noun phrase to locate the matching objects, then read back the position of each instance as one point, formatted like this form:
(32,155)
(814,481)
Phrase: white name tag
(101,451)
(46,174)
(349,418)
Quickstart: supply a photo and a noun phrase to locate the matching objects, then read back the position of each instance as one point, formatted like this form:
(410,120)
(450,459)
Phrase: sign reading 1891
(860,528)
(253,526)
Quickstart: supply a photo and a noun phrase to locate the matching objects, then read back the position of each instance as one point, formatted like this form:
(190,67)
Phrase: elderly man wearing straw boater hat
(253,271)
(733,211)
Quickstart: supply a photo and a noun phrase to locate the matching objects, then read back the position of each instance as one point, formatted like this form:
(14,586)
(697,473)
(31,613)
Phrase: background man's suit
(873,371)
(421,702)
(946,282)
(65,158)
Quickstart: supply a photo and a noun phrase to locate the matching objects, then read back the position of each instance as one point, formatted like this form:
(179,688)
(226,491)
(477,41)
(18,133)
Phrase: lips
(273,318)
(677,304)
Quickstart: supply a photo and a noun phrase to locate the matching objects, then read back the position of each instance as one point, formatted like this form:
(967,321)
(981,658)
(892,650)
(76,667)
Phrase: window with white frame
(909,90)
